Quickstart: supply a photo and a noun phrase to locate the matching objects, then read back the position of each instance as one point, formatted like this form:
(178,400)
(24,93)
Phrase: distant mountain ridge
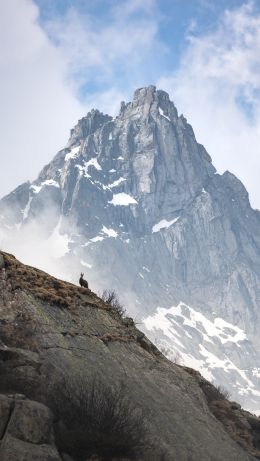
(136,203)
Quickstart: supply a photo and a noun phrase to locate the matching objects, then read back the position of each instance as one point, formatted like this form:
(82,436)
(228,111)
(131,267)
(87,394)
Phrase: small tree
(110,297)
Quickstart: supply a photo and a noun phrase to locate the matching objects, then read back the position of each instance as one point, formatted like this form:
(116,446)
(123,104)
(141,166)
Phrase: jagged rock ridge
(138,205)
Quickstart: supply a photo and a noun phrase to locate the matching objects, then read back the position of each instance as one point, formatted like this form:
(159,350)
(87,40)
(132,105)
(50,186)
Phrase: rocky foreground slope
(53,333)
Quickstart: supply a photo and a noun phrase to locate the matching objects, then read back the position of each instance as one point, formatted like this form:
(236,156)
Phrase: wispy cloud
(217,87)
(113,55)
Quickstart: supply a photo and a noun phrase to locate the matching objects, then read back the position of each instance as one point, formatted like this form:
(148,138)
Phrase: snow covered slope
(220,351)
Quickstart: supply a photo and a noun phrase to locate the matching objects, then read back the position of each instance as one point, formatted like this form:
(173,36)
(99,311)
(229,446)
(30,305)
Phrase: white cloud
(37,107)
(108,58)
(41,242)
(108,100)
(217,87)
(88,43)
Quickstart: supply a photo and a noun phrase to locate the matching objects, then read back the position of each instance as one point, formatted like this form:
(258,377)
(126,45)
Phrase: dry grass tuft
(110,337)
(47,288)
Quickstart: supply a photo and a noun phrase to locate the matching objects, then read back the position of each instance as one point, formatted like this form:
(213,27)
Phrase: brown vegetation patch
(109,337)
(48,289)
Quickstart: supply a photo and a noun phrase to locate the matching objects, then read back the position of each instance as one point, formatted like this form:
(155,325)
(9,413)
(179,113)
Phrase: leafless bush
(98,419)
(222,392)
(176,358)
(110,297)
(214,392)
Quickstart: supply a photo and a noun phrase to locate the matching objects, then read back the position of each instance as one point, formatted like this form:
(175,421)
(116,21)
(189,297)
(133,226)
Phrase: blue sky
(60,58)
(175,21)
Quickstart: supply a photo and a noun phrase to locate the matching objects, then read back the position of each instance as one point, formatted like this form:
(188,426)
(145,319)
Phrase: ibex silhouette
(82,282)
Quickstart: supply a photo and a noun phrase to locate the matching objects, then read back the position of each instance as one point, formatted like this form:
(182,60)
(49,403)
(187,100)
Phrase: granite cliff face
(52,332)
(136,203)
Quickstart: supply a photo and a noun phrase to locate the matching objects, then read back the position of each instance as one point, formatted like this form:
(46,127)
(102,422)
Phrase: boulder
(31,422)
(26,431)
(13,449)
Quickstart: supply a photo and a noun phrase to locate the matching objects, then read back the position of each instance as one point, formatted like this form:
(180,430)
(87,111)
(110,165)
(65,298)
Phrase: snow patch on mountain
(72,154)
(27,208)
(92,162)
(256,372)
(36,188)
(208,345)
(165,319)
(116,183)
(146,269)
(163,114)
(122,199)
(85,167)
(98,238)
(109,232)
(164,224)
(50,182)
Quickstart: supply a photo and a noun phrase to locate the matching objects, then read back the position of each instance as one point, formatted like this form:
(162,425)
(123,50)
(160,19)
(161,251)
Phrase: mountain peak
(150,92)
(148,100)
(144,93)
(137,204)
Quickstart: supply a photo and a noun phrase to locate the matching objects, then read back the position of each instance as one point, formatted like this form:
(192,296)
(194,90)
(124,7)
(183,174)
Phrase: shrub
(110,297)
(223,393)
(97,419)
(214,393)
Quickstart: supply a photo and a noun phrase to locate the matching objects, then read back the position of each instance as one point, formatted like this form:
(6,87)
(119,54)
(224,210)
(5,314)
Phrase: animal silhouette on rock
(82,281)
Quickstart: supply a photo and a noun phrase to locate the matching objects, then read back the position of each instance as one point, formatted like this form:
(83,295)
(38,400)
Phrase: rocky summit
(80,382)
(135,202)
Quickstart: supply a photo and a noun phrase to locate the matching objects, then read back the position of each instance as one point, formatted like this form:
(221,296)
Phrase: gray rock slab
(31,422)
(13,449)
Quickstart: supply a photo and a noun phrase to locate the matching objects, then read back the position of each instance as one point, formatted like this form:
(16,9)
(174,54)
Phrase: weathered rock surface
(137,204)
(26,430)
(50,330)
